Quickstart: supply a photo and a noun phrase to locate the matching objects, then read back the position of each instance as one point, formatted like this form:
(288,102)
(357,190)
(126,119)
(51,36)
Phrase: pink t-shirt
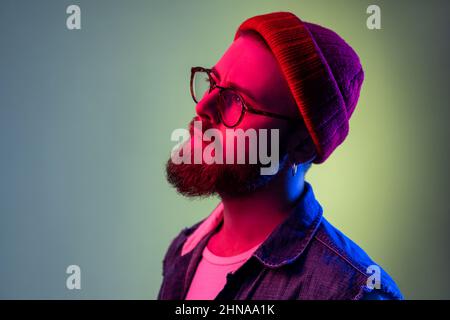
(211,274)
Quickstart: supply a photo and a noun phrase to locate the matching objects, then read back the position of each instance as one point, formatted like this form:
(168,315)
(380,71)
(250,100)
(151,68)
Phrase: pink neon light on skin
(249,220)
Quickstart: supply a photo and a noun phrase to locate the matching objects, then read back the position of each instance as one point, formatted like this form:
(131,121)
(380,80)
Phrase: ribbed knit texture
(323,72)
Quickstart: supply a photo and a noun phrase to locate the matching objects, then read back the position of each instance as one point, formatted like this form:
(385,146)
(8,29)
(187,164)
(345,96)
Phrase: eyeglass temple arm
(269,114)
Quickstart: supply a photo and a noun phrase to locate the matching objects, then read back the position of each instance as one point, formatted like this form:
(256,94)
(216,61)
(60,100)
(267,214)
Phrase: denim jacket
(304,257)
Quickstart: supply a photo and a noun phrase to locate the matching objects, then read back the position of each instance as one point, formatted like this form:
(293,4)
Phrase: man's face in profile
(251,69)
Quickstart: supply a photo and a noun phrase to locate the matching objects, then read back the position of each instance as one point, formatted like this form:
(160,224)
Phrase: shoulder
(340,260)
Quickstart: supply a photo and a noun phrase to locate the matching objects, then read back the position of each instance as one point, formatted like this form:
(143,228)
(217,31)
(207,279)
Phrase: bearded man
(268,238)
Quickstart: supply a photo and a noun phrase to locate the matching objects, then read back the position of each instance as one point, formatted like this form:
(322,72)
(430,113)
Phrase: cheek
(258,122)
(263,131)
(243,143)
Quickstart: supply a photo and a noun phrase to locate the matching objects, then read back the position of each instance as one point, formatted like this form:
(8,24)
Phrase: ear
(301,148)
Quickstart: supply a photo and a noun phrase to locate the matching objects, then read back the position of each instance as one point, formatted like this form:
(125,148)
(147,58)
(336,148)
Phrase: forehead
(250,63)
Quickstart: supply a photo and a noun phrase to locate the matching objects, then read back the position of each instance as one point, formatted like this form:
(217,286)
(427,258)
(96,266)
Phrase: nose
(207,109)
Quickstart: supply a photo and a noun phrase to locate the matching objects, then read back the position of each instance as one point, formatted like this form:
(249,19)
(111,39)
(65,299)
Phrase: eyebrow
(234,85)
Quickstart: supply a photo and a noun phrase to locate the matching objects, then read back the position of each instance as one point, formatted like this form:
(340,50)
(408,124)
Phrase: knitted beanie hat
(323,72)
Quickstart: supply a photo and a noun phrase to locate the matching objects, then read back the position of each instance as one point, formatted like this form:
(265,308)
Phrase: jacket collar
(286,242)
(290,238)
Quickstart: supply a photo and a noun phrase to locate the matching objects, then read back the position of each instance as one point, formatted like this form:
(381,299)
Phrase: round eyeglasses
(230,104)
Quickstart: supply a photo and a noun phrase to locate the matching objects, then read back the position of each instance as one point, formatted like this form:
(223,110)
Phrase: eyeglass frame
(245,106)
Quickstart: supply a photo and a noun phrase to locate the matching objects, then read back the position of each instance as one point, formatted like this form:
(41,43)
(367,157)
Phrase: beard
(203,180)
(225,180)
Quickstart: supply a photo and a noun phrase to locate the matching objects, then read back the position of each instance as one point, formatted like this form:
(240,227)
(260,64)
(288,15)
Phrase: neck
(249,220)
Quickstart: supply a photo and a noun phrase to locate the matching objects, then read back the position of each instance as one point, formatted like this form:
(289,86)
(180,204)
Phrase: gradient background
(86,118)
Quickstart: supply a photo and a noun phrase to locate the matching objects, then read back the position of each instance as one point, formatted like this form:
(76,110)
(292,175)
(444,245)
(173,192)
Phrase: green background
(86,118)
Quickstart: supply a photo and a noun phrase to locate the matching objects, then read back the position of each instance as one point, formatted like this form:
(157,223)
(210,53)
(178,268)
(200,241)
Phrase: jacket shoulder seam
(341,256)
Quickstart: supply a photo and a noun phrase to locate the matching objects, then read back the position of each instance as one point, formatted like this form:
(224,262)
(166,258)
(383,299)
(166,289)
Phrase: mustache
(205,125)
